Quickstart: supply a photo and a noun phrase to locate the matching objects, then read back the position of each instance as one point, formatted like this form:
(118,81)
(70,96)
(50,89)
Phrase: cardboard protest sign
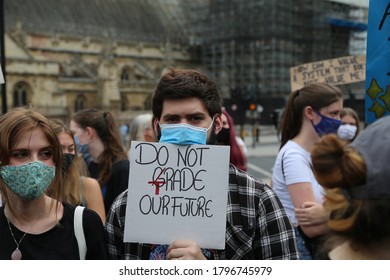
(177,192)
(1,76)
(337,71)
(377,99)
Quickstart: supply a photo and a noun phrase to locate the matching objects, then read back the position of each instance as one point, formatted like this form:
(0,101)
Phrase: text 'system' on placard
(337,71)
(177,192)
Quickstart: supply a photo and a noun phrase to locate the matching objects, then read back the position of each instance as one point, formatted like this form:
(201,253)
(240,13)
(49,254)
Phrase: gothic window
(139,77)
(21,94)
(80,103)
(148,103)
(124,103)
(125,75)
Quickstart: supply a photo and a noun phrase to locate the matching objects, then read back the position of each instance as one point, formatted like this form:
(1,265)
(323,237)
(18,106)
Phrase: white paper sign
(177,192)
(1,76)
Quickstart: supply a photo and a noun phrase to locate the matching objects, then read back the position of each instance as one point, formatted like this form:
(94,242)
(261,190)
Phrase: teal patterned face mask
(28,181)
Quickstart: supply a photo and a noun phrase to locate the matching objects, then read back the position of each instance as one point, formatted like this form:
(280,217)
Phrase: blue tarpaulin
(357,26)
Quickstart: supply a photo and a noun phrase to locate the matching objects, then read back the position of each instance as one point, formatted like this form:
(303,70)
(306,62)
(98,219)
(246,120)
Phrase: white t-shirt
(296,169)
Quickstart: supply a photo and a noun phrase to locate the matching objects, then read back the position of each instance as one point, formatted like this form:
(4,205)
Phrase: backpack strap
(79,231)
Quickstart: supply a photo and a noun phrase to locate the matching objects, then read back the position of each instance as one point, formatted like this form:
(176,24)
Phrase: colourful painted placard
(377,98)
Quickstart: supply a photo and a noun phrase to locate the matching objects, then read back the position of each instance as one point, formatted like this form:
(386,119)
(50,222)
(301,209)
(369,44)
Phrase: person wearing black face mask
(67,161)
(79,188)
(227,136)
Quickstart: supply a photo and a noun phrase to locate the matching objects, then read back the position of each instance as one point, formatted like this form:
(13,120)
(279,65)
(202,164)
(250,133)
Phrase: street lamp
(2,55)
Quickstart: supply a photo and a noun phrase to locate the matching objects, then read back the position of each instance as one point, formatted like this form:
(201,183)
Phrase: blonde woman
(78,188)
(350,124)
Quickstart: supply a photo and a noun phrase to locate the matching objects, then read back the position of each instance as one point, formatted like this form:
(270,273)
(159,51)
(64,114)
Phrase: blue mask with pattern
(326,125)
(28,181)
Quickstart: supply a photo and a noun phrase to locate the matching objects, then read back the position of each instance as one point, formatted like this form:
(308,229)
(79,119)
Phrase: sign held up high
(337,71)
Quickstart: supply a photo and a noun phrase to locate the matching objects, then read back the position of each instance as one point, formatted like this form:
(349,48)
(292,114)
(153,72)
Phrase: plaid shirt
(257,225)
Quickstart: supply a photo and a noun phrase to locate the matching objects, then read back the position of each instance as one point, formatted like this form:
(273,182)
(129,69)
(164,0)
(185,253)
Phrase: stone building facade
(61,70)
(65,55)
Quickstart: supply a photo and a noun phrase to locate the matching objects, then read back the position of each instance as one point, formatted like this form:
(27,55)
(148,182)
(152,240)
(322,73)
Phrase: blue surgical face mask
(183,134)
(326,125)
(81,148)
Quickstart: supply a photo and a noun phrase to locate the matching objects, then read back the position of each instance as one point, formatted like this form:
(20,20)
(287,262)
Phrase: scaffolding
(246,46)
(249,46)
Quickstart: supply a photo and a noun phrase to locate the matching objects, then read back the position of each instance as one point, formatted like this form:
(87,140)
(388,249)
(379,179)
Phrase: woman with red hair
(227,136)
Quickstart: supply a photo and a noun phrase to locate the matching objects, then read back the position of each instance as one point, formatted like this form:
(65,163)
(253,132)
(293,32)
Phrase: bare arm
(302,193)
(93,197)
(311,213)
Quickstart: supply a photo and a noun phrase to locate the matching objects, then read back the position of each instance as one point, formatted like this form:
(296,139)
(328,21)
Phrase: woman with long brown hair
(109,165)
(310,113)
(34,225)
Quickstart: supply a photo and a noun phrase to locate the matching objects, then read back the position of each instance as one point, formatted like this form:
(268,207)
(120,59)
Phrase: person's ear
(156,128)
(309,113)
(218,123)
(90,132)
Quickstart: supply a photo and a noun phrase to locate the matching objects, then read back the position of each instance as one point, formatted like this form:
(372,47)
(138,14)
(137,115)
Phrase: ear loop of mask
(212,122)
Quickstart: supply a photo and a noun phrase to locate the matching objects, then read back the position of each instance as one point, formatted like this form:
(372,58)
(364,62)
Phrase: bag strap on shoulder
(79,231)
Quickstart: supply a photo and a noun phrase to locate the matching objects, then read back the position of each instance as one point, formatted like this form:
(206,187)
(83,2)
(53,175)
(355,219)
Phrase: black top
(58,243)
(117,183)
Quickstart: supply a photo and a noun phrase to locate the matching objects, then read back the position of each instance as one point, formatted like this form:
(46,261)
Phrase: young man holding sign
(187,111)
